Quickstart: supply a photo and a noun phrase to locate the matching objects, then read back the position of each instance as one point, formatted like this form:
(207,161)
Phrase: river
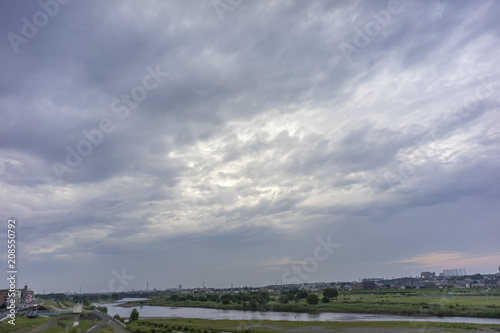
(148,311)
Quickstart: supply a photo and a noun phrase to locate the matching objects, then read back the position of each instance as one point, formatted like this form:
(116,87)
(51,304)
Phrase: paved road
(106,319)
(117,328)
(50,323)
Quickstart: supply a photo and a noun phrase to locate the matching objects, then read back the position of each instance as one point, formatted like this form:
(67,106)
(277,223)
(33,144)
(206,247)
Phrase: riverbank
(441,307)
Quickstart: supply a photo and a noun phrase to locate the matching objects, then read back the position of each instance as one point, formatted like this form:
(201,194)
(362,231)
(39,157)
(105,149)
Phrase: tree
(330,292)
(134,315)
(302,294)
(326,299)
(265,296)
(312,299)
(283,299)
(102,309)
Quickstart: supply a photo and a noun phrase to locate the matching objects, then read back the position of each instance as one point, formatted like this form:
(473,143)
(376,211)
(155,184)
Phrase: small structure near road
(77,310)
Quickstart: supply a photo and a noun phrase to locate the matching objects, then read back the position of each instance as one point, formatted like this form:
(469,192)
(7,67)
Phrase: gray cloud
(262,137)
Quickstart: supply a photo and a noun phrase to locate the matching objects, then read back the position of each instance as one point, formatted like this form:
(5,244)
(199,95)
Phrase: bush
(302,294)
(326,299)
(330,292)
(102,309)
(312,299)
(283,299)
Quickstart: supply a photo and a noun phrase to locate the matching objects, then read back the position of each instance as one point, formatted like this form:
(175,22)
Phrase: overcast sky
(191,142)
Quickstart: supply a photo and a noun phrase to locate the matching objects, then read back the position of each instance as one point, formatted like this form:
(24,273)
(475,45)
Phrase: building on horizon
(427,275)
(24,295)
(365,285)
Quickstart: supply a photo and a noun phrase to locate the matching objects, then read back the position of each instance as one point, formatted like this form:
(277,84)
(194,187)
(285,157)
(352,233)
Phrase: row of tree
(254,300)
(261,297)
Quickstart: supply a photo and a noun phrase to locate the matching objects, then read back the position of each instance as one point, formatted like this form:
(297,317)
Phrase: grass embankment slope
(105,329)
(267,326)
(28,325)
(23,324)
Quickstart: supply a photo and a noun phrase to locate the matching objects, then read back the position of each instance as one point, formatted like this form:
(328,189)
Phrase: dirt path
(50,323)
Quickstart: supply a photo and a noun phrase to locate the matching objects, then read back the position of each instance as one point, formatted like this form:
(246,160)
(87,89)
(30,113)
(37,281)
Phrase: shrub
(312,299)
(330,292)
(302,294)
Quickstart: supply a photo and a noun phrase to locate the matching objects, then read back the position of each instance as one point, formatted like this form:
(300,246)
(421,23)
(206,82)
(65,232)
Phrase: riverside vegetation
(410,302)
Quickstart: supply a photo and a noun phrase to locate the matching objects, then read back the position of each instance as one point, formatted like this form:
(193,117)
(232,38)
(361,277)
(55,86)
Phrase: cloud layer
(278,122)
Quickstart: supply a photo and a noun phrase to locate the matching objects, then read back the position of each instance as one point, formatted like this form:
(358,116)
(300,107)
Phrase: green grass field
(23,324)
(26,325)
(105,329)
(266,326)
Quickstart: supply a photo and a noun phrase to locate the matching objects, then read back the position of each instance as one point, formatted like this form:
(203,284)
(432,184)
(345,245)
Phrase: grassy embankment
(23,324)
(26,325)
(104,329)
(267,326)
(423,302)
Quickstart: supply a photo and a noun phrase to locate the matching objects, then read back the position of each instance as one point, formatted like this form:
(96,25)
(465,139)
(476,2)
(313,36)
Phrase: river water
(147,311)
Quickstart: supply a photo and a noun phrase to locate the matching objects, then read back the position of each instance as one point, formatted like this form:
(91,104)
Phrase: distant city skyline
(235,286)
(190,142)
